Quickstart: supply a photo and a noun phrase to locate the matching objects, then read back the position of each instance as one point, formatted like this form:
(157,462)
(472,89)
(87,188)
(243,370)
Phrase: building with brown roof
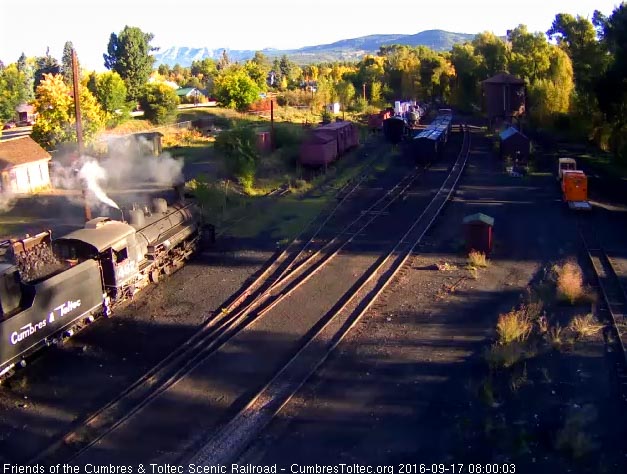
(504,98)
(23,166)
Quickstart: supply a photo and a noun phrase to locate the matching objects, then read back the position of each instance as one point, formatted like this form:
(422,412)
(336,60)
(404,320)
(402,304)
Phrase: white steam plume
(92,173)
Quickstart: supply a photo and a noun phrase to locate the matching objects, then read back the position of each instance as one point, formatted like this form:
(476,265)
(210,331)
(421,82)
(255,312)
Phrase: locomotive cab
(10,290)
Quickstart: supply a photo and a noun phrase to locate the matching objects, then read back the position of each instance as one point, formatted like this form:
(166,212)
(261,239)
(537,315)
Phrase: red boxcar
(316,150)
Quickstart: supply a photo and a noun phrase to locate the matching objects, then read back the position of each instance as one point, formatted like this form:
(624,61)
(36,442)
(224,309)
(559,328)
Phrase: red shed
(478,232)
(504,97)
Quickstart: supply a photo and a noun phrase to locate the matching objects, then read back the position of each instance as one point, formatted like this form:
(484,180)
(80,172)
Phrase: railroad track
(230,441)
(613,308)
(290,269)
(131,429)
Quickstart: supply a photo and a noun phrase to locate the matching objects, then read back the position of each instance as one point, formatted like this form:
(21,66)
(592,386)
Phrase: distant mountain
(343,50)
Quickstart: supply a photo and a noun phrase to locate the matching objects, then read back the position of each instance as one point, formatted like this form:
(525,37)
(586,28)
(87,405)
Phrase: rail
(248,422)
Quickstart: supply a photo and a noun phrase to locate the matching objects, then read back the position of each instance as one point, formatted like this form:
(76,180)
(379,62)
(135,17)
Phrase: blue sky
(32,25)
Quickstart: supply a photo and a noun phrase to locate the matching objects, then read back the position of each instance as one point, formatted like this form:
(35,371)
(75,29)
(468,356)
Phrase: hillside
(343,50)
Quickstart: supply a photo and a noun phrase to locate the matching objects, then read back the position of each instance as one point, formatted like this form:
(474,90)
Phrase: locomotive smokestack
(179,191)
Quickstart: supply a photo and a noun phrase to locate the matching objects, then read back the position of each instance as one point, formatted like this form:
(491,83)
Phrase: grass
(555,336)
(477,259)
(573,437)
(584,326)
(569,282)
(504,356)
(513,326)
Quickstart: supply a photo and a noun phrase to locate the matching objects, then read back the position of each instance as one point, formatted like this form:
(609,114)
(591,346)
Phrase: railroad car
(575,190)
(327,143)
(428,145)
(48,288)
(394,129)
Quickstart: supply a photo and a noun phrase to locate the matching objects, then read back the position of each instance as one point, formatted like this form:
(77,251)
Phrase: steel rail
(236,434)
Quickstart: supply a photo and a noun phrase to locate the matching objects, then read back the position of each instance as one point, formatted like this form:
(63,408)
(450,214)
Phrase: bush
(239,152)
(569,282)
(296,97)
(287,135)
(159,103)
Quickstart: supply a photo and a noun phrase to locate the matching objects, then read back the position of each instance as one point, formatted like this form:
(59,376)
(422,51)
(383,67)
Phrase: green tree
(256,73)
(529,57)
(159,102)
(235,89)
(110,92)
(468,72)
(346,92)
(56,120)
(128,54)
(375,92)
(66,62)
(612,85)
(493,51)
(13,90)
(551,95)
(45,65)
(238,150)
(224,61)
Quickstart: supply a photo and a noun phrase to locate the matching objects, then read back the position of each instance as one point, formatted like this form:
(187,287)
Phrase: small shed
(333,108)
(23,166)
(149,142)
(514,144)
(25,113)
(478,232)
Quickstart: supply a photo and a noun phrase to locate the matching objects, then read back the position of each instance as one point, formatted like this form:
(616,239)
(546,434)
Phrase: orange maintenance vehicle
(575,190)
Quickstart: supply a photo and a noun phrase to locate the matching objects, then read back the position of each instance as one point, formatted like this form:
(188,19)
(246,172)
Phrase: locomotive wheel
(154,275)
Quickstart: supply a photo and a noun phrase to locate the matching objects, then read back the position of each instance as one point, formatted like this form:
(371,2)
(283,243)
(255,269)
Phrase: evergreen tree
(128,54)
(66,63)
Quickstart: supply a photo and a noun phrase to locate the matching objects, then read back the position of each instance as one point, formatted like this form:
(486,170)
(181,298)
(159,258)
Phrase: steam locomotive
(87,272)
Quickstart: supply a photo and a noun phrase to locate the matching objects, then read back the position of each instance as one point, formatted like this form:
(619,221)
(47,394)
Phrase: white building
(23,166)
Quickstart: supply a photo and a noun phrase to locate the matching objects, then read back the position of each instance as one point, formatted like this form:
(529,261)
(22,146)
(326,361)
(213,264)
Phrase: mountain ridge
(350,49)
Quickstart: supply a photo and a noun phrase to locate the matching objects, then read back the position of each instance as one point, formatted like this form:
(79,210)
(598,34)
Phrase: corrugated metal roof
(479,217)
(508,132)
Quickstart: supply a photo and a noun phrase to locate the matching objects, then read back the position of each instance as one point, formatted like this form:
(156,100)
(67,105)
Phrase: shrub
(477,259)
(513,326)
(286,135)
(569,282)
(239,152)
(159,103)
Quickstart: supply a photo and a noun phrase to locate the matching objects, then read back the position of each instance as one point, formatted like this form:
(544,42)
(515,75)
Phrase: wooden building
(23,166)
(504,98)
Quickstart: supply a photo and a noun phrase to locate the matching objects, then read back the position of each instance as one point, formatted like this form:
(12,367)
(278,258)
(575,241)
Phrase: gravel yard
(411,383)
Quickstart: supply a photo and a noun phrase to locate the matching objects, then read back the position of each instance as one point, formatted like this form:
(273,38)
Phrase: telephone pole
(79,127)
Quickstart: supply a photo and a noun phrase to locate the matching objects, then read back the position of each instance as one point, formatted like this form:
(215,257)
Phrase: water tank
(159,206)
(137,218)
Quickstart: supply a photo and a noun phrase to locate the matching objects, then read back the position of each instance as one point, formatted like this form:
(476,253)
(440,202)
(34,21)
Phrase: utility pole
(79,127)
(272,124)
(364,88)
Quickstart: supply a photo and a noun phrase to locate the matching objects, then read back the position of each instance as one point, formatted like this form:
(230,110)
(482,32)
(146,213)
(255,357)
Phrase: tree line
(576,77)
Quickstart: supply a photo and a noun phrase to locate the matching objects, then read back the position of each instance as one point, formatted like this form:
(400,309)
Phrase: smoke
(7,201)
(93,174)
(127,171)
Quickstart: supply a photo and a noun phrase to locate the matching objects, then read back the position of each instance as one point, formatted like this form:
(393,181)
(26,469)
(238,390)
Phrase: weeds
(584,326)
(518,379)
(513,326)
(555,337)
(477,259)
(569,282)
(504,356)
(573,438)
(486,392)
